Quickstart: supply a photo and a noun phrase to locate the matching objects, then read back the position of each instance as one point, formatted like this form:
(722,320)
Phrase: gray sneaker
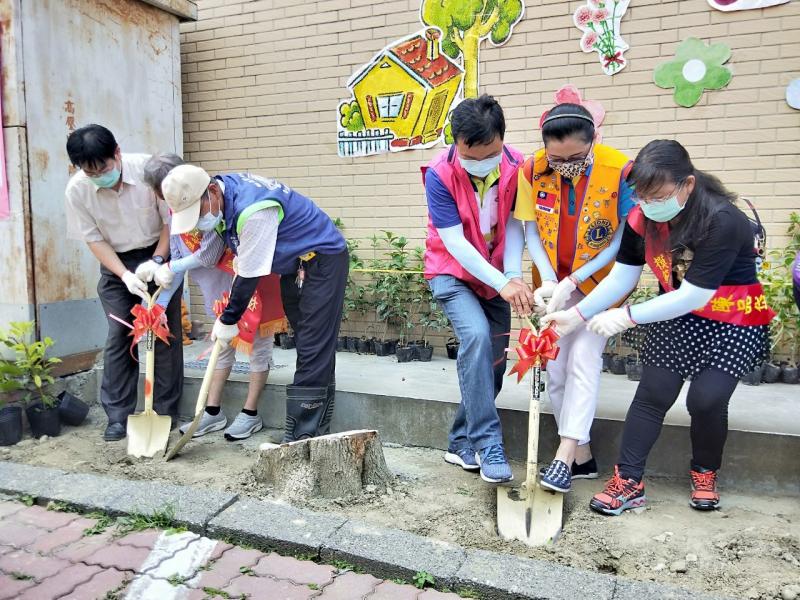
(208,423)
(243,427)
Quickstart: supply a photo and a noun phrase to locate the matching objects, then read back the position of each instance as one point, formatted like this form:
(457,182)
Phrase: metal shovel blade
(148,433)
(534,521)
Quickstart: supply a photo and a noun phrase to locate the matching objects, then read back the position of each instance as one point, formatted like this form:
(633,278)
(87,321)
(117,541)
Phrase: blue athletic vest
(303,227)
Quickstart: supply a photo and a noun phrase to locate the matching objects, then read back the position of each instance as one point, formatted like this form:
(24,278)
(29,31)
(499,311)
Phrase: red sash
(734,304)
(264,313)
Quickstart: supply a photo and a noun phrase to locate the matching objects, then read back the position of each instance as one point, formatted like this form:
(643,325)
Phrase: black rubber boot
(325,425)
(305,409)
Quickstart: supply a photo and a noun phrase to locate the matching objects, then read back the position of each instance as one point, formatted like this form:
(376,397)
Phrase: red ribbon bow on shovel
(535,348)
(149,319)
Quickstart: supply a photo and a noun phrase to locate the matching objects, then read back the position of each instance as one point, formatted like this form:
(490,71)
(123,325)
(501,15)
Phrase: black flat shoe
(114,432)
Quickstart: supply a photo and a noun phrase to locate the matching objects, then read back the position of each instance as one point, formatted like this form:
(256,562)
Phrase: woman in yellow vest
(573,200)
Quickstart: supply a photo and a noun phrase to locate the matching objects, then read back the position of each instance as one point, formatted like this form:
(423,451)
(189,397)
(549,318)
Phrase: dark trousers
(315,313)
(707,402)
(121,370)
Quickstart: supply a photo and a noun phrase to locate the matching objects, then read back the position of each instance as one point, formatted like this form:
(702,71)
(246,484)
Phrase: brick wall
(262,79)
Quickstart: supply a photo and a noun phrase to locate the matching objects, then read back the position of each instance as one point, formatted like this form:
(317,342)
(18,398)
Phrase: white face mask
(209,221)
(481,168)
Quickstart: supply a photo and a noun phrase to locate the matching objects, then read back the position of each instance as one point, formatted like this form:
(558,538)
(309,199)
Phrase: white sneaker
(208,424)
(243,427)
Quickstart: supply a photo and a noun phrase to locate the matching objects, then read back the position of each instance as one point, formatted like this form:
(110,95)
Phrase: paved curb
(384,553)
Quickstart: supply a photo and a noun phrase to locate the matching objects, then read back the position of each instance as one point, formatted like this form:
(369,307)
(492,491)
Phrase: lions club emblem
(598,233)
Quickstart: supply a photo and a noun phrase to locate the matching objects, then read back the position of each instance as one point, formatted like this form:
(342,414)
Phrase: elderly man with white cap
(274,229)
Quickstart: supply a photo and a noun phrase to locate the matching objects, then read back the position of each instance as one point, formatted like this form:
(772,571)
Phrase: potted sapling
(35,378)
(10,399)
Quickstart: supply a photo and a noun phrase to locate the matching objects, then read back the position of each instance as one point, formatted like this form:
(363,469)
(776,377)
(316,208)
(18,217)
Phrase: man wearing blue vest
(273,229)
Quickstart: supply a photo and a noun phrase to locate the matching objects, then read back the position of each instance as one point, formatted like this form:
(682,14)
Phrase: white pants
(574,378)
(260,355)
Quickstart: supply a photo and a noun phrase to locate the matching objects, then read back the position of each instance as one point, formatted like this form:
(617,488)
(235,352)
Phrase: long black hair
(665,162)
(563,127)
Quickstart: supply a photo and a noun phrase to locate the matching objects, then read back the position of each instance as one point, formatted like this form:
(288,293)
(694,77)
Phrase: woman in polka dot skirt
(708,325)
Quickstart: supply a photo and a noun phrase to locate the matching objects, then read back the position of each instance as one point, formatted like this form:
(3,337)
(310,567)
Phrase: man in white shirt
(109,207)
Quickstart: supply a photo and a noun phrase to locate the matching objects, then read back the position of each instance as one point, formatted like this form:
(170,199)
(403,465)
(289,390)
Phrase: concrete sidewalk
(766,408)
(47,555)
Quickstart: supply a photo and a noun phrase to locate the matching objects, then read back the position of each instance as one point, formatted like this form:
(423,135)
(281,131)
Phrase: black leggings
(707,401)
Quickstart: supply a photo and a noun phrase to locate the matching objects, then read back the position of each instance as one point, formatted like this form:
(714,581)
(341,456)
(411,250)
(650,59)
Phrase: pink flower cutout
(595,3)
(570,94)
(588,40)
(583,16)
(599,15)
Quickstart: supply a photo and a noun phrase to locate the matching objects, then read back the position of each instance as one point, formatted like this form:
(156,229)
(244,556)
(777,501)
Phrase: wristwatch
(159,260)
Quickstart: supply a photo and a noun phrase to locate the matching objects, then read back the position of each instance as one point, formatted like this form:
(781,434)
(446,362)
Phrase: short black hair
(477,121)
(91,146)
(566,126)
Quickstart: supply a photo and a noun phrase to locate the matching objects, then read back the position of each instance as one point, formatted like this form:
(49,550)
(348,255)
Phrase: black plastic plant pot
(352,344)
(618,365)
(404,354)
(287,341)
(634,371)
(772,373)
(392,346)
(754,376)
(424,353)
(43,421)
(72,410)
(789,374)
(608,361)
(362,346)
(341,344)
(10,425)
(277,338)
(381,348)
(371,345)
(452,349)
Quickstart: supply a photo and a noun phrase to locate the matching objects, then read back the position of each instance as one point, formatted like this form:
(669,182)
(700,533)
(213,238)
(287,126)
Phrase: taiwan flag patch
(545,202)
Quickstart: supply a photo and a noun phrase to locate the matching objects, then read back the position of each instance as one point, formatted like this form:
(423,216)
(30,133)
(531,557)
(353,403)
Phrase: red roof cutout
(414,55)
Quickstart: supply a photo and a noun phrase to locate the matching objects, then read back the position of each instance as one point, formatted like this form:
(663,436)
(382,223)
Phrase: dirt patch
(750,549)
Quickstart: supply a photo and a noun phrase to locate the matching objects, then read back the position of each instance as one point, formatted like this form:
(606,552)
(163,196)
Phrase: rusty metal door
(113,62)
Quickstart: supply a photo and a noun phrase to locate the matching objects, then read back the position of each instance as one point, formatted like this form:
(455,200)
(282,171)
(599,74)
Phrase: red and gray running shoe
(619,495)
(704,489)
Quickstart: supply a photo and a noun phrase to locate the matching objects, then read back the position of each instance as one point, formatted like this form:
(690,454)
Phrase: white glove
(224,333)
(147,270)
(164,276)
(541,295)
(135,285)
(566,321)
(561,294)
(611,322)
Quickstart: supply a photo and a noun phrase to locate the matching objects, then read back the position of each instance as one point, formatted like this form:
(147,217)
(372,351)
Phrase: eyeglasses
(639,200)
(97,173)
(557,162)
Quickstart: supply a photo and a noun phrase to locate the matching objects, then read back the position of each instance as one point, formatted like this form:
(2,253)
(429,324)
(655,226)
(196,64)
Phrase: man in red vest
(470,189)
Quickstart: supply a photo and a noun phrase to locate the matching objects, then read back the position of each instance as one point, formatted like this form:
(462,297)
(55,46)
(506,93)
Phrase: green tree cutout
(351,117)
(465,23)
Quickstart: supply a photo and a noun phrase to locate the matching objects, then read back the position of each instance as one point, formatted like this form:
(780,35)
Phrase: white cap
(182,188)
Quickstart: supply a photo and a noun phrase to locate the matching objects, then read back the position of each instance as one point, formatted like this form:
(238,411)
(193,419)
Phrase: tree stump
(338,465)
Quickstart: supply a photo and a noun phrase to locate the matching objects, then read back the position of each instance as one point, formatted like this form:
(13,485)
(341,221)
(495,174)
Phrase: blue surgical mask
(663,211)
(480,168)
(209,221)
(107,180)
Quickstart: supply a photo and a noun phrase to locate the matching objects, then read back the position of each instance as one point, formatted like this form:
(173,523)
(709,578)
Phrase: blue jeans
(482,328)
